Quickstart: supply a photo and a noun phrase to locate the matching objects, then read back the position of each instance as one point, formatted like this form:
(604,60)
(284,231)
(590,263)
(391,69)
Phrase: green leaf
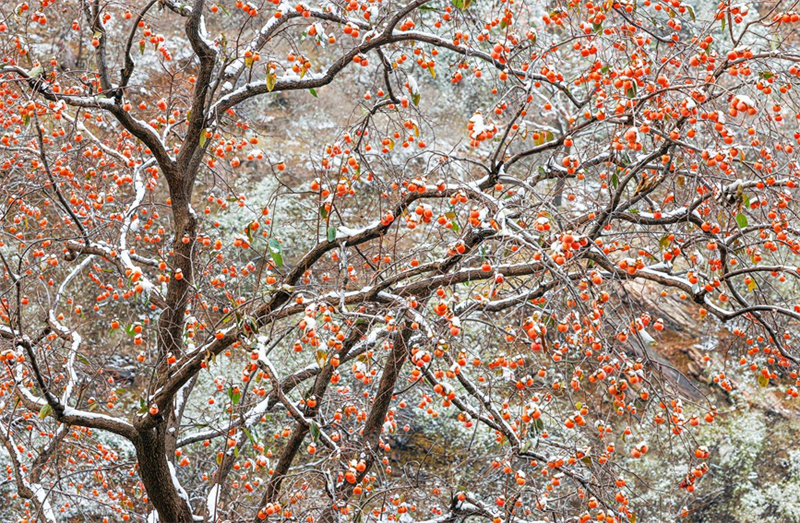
(745,200)
(276,251)
(415,98)
(432,71)
(314,429)
(129,330)
(249,233)
(271,81)
(141,48)
(544,137)
(723,25)
(250,322)
(462,4)
(763,381)
(219,458)
(456,227)
(313,92)
(741,220)
(614,180)
(202,139)
(45,411)
(631,93)
(323,213)
(694,19)
(234,396)
(766,75)
(249,436)
(331,233)
(36,71)
(663,243)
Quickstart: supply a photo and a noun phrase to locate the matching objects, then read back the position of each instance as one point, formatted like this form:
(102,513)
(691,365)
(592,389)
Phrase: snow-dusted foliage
(417,261)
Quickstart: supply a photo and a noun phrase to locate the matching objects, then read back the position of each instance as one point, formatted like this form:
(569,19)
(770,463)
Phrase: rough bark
(154,469)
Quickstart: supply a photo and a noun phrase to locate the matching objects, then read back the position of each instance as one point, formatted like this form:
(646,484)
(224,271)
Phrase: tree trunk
(179,289)
(154,468)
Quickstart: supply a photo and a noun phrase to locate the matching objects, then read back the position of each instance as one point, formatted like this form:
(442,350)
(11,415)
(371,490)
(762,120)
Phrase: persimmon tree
(470,278)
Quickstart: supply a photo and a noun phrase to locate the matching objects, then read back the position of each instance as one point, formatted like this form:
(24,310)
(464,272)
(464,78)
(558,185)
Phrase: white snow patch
(212,501)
